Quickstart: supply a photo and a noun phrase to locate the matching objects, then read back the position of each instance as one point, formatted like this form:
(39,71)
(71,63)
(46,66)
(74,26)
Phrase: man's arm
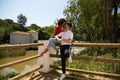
(58,39)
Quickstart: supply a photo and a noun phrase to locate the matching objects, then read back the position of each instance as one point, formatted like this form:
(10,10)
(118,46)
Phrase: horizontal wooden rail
(110,45)
(89,72)
(25,73)
(114,61)
(18,61)
(20,45)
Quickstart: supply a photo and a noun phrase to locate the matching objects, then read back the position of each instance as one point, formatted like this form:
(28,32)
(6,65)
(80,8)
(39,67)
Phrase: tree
(87,19)
(2,32)
(34,27)
(6,27)
(110,19)
(49,30)
(22,20)
(42,35)
(94,20)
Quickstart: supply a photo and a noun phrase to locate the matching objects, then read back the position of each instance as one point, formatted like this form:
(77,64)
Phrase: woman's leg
(63,59)
(52,42)
(65,53)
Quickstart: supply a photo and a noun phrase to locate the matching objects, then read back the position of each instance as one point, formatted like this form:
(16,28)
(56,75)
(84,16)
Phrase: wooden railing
(113,61)
(20,45)
(111,45)
(22,60)
(25,73)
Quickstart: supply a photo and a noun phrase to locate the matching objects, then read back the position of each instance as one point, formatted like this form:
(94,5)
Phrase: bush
(18,52)
(12,74)
(12,52)
(7,76)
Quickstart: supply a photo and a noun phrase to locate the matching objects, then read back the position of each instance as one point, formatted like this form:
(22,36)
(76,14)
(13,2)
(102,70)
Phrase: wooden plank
(25,73)
(88,72)
(18,61)
(20,45)
(111,45)
(114,61)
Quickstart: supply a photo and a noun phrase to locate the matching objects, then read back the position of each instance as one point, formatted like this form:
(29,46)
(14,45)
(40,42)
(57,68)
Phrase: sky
(40,12)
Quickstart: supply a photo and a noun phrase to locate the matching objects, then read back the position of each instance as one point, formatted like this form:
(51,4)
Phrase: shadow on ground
(54,75)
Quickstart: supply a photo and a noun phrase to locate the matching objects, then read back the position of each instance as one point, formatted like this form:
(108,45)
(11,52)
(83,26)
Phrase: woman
(65,41)
(52,41)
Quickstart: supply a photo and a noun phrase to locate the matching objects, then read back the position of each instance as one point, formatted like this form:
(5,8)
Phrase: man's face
(63,27)
(66,26)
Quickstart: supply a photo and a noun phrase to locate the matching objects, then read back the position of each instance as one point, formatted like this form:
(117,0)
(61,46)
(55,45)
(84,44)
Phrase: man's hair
(61,21)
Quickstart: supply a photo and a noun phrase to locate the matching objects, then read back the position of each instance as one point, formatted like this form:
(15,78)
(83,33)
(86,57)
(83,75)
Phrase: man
(53,41)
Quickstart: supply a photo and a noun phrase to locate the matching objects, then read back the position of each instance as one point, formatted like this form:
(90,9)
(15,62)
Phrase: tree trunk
(113,27)
(106,20)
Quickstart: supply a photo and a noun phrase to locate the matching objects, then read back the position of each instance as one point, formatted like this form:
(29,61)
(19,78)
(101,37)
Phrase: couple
(64,36)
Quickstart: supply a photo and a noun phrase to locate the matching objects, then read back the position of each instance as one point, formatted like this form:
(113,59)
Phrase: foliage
(2,32)
(42,35)
(45,33)
(22,19)
(12,52)
(49,29)
(7,76)
(34,27)
(87,17)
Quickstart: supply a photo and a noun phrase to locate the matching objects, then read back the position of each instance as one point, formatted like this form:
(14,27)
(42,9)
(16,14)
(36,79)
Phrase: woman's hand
(59,40)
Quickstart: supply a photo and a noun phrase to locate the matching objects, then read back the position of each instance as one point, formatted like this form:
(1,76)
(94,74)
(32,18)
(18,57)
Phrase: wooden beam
(114,61)
(20,45)
(110,45)
(25,73)
(18,61)
(89,72)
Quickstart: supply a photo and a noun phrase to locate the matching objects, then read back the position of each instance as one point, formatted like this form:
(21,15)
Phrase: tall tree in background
(110,19)
(94,20)
(2,32)
(22,20)
(87,19)
(114,27)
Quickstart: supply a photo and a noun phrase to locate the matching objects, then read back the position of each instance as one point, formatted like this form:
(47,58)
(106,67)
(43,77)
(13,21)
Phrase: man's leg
(54,43)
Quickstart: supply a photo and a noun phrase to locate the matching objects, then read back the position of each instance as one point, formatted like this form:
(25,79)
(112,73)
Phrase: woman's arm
(70,38)
(67,40)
